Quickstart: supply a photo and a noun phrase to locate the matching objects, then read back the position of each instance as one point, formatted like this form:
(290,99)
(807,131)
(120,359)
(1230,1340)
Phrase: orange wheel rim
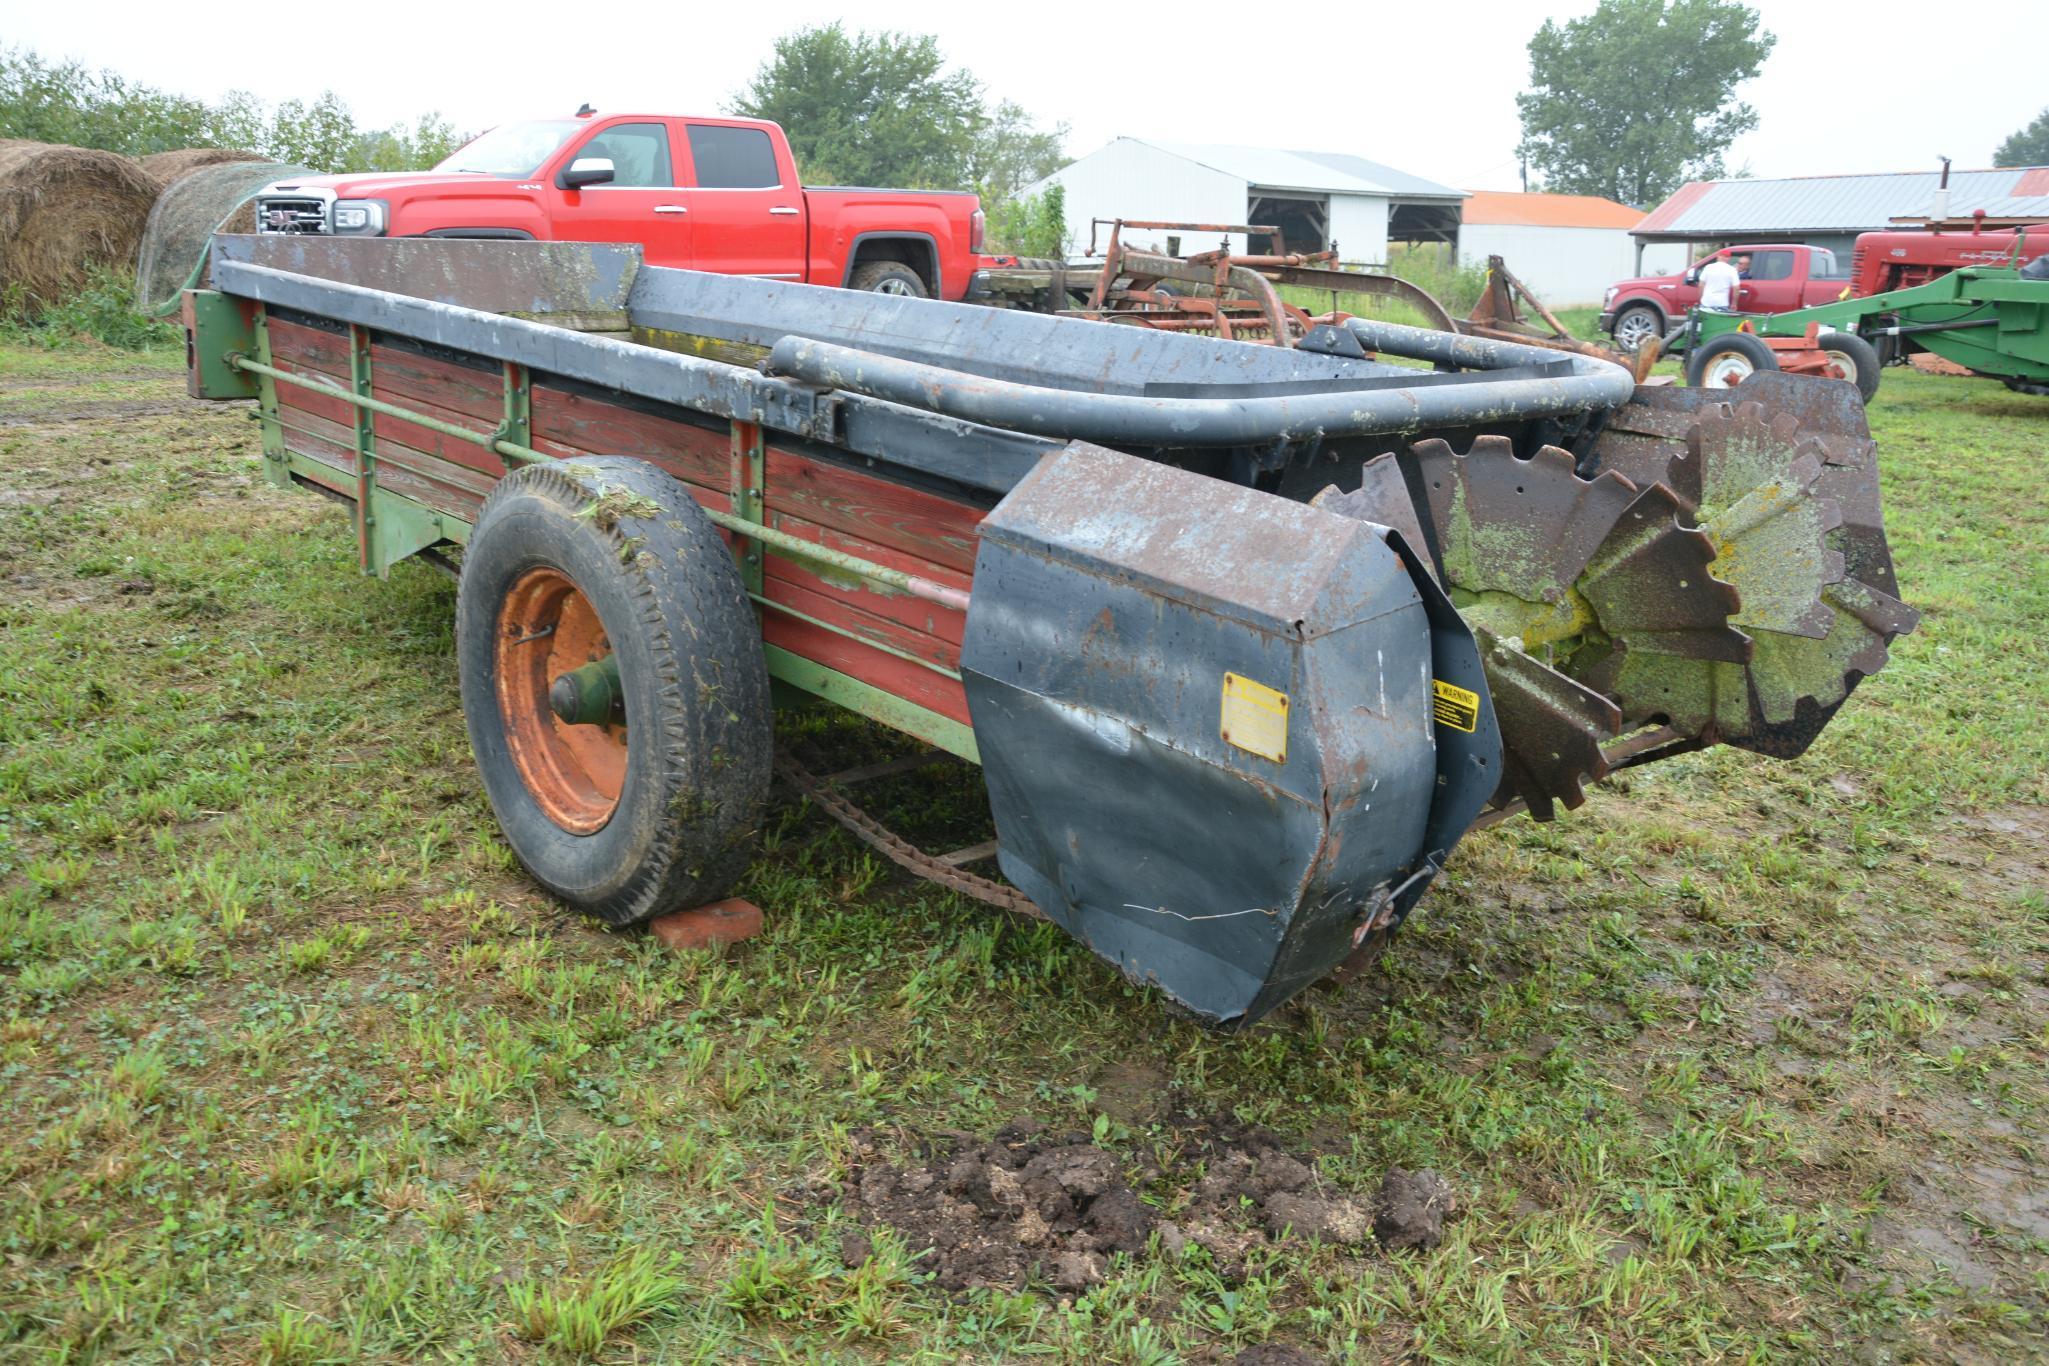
(546,628)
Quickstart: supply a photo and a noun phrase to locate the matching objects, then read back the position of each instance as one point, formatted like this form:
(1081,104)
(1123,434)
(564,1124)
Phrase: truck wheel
(613,682)
(1852,358)
(1636,325)
(1726,361)
(888,277)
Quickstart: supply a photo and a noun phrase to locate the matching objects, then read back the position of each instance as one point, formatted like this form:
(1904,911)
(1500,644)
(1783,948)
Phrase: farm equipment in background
(1499,314)
(1885,261)
(1245,638)
(1991,320)
(1235,297)
(1214,293)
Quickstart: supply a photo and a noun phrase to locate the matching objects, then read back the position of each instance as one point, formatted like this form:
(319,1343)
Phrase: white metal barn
(1319,200)
(1567,248)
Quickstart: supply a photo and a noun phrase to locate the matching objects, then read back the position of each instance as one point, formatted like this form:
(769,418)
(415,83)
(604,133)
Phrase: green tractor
(1991,320)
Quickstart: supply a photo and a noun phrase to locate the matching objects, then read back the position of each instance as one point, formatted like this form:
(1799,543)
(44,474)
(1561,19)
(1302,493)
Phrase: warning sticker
(1453,706)
(1255,718)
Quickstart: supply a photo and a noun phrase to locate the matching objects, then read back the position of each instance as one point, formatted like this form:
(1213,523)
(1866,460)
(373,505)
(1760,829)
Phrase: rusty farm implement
(1216,293)
(1245,638)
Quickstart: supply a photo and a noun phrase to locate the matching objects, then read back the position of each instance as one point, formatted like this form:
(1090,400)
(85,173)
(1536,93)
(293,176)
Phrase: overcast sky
(1856,85)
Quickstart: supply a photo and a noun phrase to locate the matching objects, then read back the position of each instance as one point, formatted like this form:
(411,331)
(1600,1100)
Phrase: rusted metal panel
(573,281)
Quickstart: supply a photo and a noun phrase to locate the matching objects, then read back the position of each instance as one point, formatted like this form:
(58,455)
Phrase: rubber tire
(664,585)
(875,274)
(1749,347)
(1863,358)
(1657,325)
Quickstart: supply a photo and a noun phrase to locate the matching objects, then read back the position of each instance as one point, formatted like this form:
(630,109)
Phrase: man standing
(1719,282)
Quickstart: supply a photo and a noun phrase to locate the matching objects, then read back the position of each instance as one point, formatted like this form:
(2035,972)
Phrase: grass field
(1745,1059)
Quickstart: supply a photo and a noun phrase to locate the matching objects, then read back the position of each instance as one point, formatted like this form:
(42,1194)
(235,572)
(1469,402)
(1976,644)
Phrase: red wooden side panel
(445,473)
(873,518)
(934,535)
(293,347)
(568,425)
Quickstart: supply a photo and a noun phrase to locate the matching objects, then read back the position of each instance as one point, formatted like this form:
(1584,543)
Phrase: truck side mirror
(1693,275)
(585,171)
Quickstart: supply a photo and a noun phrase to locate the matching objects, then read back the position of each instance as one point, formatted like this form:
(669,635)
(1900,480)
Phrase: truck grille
(291,215)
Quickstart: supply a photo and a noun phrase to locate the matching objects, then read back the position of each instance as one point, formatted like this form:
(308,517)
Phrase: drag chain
(898,850)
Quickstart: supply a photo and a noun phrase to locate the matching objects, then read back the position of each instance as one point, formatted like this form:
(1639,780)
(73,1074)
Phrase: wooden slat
(293,347)
(454,393)
(836,609)
(934,531)
(903,611)
(437,447)
(912,682)
(569,425)
(327,434)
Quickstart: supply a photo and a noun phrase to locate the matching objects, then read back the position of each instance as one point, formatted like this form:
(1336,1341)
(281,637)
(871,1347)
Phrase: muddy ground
(1032,1206)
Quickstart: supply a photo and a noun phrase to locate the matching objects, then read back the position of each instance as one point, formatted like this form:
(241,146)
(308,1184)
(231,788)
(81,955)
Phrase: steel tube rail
(509,449)
(1141,421)
(1485,353)
(794,547)
(842,631)
(797,548)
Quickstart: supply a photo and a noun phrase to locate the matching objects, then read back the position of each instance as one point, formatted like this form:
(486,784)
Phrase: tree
(1030,225)
(1636,98)
(1012,151)
(869,108)
(2028,147)
(68,103)
(398,148)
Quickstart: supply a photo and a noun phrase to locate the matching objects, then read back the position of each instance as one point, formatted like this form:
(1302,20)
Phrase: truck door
(746,208)
(1771,286)
(641,204)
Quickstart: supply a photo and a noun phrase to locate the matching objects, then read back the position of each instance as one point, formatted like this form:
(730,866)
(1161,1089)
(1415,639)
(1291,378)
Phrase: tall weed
(102,311)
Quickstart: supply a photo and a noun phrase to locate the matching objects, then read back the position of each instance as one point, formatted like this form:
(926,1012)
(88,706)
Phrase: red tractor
(1885,261)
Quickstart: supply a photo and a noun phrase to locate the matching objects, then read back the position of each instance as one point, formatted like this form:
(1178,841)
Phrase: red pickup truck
(701,193)
(1781,278)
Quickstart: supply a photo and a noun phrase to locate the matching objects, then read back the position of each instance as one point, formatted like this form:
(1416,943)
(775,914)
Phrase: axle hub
(589,696)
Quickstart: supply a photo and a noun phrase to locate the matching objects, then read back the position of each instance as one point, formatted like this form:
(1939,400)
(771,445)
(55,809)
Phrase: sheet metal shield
(1112,595)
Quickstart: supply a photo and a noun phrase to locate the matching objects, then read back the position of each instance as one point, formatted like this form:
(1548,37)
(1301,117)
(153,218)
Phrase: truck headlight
(1609,297)
(359,217)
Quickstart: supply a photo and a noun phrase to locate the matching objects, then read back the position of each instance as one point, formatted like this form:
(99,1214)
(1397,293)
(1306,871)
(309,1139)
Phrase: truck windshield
(512,150)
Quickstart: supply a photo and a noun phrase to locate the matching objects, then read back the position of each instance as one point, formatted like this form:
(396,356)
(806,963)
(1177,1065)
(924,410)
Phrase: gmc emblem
(279,219)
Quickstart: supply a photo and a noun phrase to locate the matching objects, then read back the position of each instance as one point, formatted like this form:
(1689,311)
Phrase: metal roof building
(1829,211)
(1319,200)
(1568,248)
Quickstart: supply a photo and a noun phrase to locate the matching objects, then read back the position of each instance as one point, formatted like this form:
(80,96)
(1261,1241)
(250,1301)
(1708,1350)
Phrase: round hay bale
(169,166)
(64,211)
(191,209)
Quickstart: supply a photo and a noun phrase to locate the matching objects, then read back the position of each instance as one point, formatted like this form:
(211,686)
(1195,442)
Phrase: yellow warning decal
(1451,705)
(1255,718)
